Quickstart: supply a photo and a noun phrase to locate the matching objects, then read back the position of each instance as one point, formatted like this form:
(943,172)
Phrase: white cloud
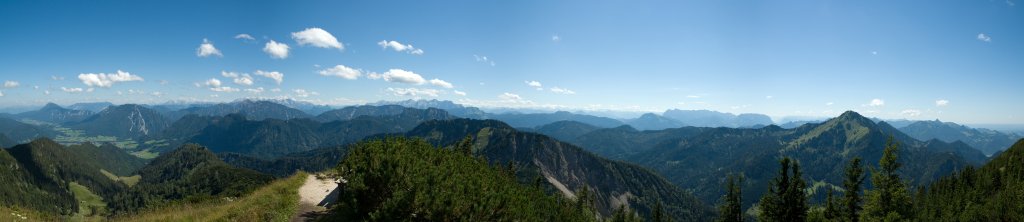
(224,89)
(341,71)
(402,76)
(256,90)
(1010,3)
(206,49)
(510,96)
(911,112)
(245,37)
(829,103)
(984,38)
(441,83)
(317,37)
(1,93)
(941,102)
(47,92)
(107,80)
(556,38)
(276,76)
(302,93)
(692,96)
(876,102)
(769,97)
(72,90)
(874,52)
(534,84)
(157,94)
(399,47)
(414,92)
(276,50)
(461,93)
(57,78)
(212,83)
(239,78)
(562,91)
(483,59)
(11,84)
(275,90)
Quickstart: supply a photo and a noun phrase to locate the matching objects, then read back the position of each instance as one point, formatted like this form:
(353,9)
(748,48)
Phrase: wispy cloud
(534,84)
(483,59)
(556,38)
(302,93)
(562,91)
(239,78)
(984,38)
(413,92)
(107,80)
(941,102)
(441,83)
(911,112)
(399,47)
(244,36)
(11,84)
(275,75)
(461,93)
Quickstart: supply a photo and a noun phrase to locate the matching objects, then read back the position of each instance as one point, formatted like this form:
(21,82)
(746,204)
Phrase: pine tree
(786,199)
(851,197)
(731,208)
(831,210)
(659,214)
(890,200)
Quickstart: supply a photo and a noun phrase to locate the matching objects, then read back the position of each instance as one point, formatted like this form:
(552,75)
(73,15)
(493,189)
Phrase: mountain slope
(700,162)
(91,107)
(566,168)
(272,138)
(191,173)
(452,108)
(566,130)
(537,119)
(251,109)
(124,121)
(17,131)
(53,113)
(707,118)
(988,141)
(40,175)
(651,121)
(352,112)
(993,192)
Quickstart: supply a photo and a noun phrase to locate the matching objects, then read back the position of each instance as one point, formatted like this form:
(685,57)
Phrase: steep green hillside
(566,168)
(124,121)
(189,174)
(994,192)
(399,179)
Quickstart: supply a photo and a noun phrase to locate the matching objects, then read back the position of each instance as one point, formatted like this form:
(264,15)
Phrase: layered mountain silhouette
(124,121)
(54,113)
(986,140)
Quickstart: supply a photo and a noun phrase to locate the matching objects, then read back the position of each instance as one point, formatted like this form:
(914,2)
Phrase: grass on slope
(277,201)
(89,204)
(130,181)
(8,213)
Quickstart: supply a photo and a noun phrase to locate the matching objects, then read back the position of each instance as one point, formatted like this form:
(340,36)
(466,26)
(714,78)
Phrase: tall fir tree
(832,212)
(786,199)
(851,196)
(890,199)
(731,209)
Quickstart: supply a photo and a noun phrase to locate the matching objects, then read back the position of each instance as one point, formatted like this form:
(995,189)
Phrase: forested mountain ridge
(566,168)
(993,192)
(53,113)
(700,160)
(986,140)
(124,121)
(191,173)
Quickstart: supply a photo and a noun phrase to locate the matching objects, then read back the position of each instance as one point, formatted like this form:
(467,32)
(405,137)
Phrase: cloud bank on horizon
(807,59)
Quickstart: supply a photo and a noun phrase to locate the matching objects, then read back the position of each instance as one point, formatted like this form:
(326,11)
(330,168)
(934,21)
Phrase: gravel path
(314,198)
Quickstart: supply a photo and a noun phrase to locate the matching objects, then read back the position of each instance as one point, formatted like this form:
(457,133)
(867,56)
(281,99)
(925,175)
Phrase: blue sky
(957,61)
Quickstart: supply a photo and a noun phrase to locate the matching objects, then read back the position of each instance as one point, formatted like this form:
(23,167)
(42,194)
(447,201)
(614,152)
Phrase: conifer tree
(890,199)
(731,208)
(851,197)
(786,199)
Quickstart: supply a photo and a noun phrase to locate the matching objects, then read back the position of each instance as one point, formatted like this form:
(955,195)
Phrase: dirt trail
(314,198)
